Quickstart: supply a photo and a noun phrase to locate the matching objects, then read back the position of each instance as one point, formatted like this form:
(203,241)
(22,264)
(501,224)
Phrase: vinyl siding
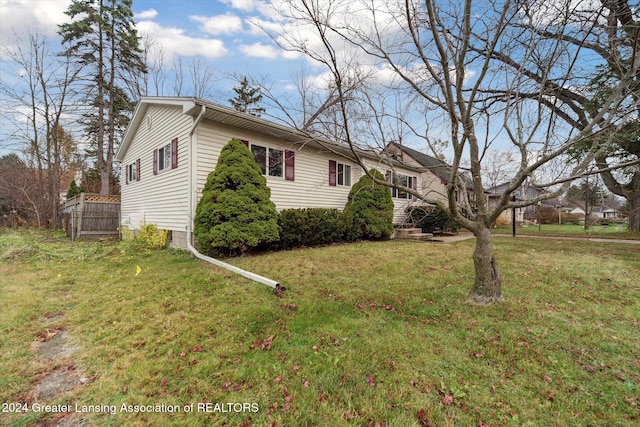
(311,186)
(158,199)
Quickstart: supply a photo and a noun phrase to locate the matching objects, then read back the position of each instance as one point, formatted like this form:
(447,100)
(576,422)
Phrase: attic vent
(148,122)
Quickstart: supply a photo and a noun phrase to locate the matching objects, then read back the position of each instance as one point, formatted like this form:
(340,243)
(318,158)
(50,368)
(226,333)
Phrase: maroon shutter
(155,161)
(245,142)
(414,187)
(388,176)
(332,173)
(138,170)
(126,174)
(289,165)
(174,153)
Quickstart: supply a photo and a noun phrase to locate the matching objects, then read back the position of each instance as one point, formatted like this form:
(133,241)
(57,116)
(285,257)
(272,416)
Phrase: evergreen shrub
(235,213)
(369,209)
(311,227)
(432,218)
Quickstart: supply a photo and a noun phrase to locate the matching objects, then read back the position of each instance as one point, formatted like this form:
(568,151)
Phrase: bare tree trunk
(487,287)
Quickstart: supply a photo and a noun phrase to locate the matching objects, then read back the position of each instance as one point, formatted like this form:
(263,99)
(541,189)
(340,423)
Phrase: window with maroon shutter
(132,172)
(245,142)
(174,153)
(332,173)
(166,157)
(289,165)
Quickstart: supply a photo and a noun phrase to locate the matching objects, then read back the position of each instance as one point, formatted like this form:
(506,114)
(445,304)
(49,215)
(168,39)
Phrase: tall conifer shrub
(235,212)
(369,209)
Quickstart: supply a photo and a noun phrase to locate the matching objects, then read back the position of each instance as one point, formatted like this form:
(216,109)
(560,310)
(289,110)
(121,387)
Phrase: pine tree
(235,212)
(369,209)
(103,40)
(74,190)
(246,99)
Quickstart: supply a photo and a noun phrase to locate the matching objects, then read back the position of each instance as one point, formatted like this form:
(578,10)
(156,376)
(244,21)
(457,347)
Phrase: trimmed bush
(311,227)
(432,218)
(547,215)
(568,218)
(235,213)
(369,209)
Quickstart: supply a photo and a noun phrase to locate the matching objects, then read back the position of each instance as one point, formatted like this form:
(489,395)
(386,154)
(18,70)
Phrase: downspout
(249,275)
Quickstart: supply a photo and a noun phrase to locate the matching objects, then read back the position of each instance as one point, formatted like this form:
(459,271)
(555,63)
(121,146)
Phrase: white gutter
(244,273)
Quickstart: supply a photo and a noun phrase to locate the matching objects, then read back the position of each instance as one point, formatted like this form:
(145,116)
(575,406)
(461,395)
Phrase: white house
(172,144)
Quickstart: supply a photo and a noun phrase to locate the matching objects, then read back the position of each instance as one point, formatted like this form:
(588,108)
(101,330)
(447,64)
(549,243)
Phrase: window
(339,174)
(260,156)
(274,162)
(344,174)
(405,181)
(165,157)
(133,172)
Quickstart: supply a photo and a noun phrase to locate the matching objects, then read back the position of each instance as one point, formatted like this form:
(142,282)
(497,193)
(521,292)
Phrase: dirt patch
(55,383)
(55,345)
(51,318)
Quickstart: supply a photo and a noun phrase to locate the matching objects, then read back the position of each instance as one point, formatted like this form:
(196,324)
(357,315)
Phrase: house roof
(231,117)
(434,165)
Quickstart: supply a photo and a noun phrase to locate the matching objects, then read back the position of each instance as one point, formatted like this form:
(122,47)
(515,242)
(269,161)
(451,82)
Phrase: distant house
(172,144)
(522,193)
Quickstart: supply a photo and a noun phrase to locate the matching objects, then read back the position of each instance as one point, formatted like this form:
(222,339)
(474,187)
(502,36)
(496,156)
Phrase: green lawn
(607,232)
(366,334)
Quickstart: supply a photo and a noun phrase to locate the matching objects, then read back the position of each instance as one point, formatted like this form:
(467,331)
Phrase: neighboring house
(172,144)
(597,212)
(605,212)
(522,193)
(435,173)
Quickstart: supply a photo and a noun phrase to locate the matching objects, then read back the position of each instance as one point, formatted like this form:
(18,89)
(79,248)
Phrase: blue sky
(216,32)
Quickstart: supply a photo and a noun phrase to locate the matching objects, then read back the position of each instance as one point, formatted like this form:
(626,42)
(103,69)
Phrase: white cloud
(174,41)
(21,14)
(221,24)
(246,5)
(146,14)
(259,50)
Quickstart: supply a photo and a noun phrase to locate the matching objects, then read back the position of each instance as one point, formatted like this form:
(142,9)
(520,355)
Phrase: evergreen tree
(74,190)
(103,40)
(369,209)
(246,99)
(235,212)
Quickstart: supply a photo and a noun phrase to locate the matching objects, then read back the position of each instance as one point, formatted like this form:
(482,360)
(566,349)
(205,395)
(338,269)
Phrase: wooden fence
(92,216)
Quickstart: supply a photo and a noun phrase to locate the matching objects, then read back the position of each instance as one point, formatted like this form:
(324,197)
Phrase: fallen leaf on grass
(589,368)
(447,399)
(421,415)
(264,344)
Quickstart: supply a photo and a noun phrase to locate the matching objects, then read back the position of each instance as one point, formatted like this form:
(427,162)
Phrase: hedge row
(311,227)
